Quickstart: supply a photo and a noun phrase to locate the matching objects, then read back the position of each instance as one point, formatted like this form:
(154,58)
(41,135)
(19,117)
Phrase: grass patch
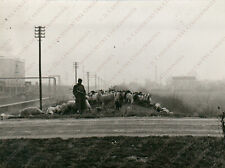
(107,111)
(164,152)
(193,103)
(175,104)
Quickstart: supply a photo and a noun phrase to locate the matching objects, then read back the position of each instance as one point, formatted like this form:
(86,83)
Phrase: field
(157,152)
(176,105)
(192,103)
(182,103)
(107,111)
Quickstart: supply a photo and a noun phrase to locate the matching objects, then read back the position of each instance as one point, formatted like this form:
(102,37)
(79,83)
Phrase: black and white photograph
(112,83)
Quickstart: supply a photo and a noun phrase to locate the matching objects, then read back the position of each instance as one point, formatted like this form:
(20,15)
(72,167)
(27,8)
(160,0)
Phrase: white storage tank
(11,67)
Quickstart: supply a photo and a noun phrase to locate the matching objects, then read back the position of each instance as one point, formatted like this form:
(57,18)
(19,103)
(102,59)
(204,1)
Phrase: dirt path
(76,128)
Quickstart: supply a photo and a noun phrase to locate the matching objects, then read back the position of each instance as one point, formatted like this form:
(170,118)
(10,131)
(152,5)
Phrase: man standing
(80,96)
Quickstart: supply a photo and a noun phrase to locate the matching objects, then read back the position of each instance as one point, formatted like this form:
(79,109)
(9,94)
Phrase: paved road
(76,128)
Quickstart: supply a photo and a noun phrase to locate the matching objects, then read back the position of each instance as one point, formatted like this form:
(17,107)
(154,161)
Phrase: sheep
(30,111)
(6,116)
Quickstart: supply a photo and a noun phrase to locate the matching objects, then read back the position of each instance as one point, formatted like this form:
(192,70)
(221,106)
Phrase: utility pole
(76,66)
(88,81)
(99,84)
(156,80)
(83,72)
(102,83)
(16,74)
(39,32)
(95,82)
(49,87)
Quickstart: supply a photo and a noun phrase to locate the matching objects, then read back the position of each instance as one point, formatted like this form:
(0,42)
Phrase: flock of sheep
(119,97)
(100,98)
(97,98)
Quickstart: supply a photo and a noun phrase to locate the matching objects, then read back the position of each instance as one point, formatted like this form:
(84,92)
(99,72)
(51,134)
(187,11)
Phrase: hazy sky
(121,41)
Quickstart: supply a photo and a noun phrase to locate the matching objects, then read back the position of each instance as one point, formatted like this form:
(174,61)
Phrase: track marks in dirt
(166,152)
(181,152)
(199,158)
(210,155)
(108,156)
(159,151)
(16,152)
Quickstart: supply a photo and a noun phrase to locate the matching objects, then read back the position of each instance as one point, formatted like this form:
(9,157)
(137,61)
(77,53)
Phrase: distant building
(184,82)
(10,67)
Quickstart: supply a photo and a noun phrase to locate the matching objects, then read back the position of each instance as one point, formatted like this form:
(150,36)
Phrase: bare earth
(135,126)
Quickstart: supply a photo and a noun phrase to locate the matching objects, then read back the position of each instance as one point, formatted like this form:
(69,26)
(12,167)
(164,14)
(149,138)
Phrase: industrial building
(11,68)
(184,82)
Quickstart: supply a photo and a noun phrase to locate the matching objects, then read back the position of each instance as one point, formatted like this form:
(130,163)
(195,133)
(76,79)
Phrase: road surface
(77,128)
